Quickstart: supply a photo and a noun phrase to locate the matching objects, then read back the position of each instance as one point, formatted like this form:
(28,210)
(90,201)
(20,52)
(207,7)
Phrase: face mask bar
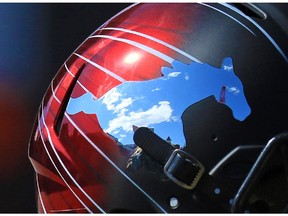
(266,187)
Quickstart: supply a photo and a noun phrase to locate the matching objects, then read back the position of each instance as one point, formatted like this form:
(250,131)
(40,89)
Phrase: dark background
(35,40)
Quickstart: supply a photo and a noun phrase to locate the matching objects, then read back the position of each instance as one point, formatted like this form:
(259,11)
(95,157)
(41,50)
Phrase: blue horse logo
(160,103)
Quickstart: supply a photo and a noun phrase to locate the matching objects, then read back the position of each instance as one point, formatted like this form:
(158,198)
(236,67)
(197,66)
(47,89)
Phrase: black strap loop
(183,169)
(153,145)
(179,166)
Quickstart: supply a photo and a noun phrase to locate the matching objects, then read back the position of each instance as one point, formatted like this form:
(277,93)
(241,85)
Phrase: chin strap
(183,169)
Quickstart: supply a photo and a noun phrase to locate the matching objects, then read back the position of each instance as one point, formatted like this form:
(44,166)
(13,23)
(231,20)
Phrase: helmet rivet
(174,203)
(217,191)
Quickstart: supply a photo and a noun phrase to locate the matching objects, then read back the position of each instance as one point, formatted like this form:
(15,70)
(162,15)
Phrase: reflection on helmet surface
(160,103)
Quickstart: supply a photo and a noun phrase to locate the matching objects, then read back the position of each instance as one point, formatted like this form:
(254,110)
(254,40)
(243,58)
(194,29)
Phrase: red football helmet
(169,108)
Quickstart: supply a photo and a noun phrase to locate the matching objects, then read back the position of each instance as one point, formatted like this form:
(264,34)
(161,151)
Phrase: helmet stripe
(39,194)
(52,161)
(140,46)
(63,165)
(260,28)
(101,68)
(82,86)
(156,40)
(228,16)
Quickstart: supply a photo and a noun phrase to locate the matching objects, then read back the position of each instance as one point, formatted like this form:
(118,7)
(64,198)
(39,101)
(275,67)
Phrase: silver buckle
(173,164)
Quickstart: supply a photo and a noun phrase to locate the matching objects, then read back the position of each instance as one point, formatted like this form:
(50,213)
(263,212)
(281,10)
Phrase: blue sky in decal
(159,103)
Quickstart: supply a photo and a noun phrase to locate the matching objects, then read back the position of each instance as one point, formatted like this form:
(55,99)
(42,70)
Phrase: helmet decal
(165,100)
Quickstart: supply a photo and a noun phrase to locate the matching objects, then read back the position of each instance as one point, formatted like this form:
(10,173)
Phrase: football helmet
(175,107)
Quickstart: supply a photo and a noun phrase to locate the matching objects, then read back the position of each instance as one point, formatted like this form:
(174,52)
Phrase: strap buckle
(184,169)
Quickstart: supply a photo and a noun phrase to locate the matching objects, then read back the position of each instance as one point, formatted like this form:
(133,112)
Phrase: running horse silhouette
(160,103)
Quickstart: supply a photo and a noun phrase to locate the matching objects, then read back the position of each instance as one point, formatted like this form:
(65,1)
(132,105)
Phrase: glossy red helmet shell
(79,148)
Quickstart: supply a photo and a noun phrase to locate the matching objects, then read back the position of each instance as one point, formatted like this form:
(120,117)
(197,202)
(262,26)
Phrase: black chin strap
(183,169)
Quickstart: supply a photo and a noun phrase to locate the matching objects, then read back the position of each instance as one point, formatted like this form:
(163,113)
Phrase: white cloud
(234,90)
(228,68)
(143,117)
(175,119)
(174,74)
(125,102)
(159,113)
(110,98)
(114,101)
(156,89)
